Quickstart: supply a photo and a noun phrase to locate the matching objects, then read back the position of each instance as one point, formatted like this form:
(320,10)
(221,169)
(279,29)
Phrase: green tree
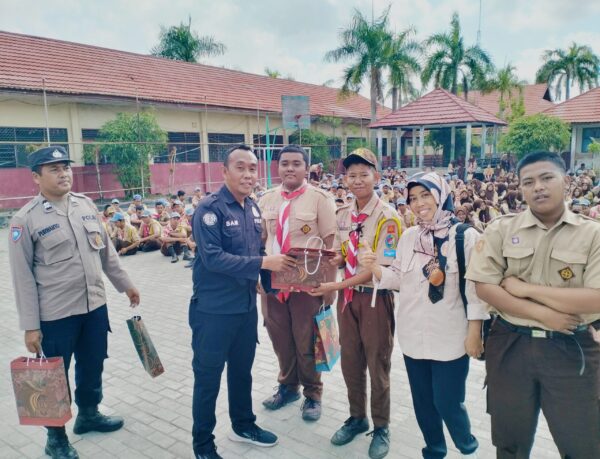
(510,88)
(441,139)
(594,147)
(181,43)
(364,42)
(319,143)
(563,68)
(402,56)
(452,65)
(129,141)
(272,73)
(535,133)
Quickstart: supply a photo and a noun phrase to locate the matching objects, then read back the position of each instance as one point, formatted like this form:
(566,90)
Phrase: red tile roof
(536,98)
(585,108)
(438,107)
(77,69)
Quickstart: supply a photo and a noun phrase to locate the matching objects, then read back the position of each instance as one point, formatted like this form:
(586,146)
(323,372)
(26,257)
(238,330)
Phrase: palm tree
(563,68)
(402,56)
(364,42)
(450,64)
(180,43)
(508,85)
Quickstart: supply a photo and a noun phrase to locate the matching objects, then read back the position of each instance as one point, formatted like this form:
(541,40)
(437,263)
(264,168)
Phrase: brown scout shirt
(311,214)
(566,255)
(389,231)
(57,260)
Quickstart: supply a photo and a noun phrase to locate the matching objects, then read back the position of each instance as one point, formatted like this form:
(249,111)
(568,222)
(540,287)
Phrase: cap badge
(57,154)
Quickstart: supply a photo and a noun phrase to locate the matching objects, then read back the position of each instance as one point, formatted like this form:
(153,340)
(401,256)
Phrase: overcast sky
(292,36)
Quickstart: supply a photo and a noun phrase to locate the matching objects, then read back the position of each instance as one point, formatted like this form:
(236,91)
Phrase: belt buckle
(539,334)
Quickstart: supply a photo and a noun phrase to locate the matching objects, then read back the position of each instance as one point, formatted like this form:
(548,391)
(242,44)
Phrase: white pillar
(414,147)
(468,149)
(398,146)
(573,147)
(495,145)
(483,140)
(453,143)
(380,146)
(421,146)
(203,137)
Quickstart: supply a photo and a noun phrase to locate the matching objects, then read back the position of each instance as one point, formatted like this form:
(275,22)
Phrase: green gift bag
(144,347)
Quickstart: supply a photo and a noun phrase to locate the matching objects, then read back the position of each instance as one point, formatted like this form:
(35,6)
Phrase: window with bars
(260,145)
(218,144)
(184,145)
(14,142)
(89,136)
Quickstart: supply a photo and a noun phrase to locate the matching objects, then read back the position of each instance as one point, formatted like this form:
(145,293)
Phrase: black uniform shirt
(229,254)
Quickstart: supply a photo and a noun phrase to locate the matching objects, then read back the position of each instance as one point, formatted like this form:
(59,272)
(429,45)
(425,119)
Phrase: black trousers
(526,374)
(85,336)
(216,339)
(438,393)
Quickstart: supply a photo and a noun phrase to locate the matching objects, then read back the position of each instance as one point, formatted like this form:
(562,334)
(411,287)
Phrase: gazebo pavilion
(437,109)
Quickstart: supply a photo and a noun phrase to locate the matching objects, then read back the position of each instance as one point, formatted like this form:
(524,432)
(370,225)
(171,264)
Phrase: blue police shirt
(228,254)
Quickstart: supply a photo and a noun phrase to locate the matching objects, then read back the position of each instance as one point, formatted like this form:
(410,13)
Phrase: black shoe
(254,435)
(351,428)
(282,397)
(208,455)
(311,409)
(174,257)
(58,446)
(190,264)
(380,444)
(90,419)
(186,254)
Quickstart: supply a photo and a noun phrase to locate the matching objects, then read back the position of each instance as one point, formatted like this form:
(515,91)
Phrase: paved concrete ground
(158,411)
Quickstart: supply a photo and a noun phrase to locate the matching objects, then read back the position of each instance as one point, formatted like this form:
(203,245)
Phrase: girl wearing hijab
(435,334)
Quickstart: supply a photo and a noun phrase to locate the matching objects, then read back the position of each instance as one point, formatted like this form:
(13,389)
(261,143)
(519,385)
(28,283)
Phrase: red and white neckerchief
(281,242)
(352,252)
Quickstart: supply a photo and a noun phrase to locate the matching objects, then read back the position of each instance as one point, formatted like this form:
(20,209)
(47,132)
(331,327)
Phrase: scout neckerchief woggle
(434,234)
(351,253)
(281,243)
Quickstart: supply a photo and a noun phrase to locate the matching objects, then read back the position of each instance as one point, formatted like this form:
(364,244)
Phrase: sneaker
(255,436)
(351,428)
(282,397)
(380,444)
(311,409)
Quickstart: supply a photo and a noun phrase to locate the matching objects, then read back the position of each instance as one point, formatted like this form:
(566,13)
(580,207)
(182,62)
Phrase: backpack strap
(460,258)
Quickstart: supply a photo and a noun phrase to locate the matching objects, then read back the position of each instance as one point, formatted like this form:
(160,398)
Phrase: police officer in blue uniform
(223,314)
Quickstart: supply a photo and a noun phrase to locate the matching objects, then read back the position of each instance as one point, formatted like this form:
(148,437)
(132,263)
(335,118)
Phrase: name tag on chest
(232,223)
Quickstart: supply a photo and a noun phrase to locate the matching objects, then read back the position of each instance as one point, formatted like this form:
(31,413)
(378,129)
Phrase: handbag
(144,346)
(311,269)
(41,391)
(326,340)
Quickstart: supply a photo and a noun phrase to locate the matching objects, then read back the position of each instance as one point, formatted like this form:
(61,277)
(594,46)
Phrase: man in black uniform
(223,315)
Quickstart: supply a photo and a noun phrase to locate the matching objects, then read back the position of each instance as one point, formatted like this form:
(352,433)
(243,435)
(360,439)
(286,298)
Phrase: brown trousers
(290,327)
(121,244)
(367,341)
(526,374)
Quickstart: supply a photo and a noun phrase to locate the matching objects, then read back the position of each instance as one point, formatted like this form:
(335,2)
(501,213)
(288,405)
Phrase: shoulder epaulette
(27,207)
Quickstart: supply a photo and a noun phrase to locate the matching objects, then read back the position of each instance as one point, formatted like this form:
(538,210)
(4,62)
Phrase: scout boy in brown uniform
(540,270)
(365,316)
(295,214)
